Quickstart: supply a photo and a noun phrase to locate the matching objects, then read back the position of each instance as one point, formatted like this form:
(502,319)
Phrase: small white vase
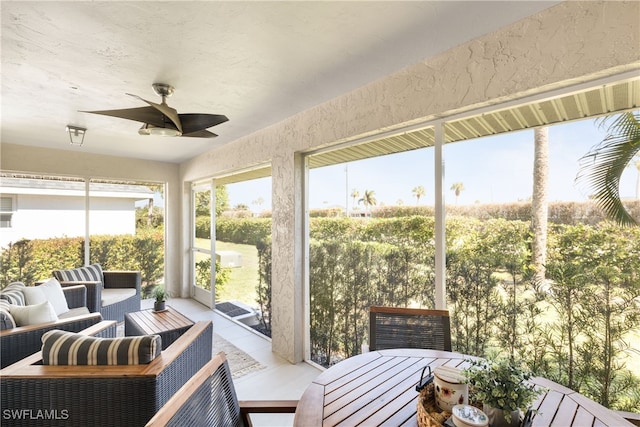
(499,418)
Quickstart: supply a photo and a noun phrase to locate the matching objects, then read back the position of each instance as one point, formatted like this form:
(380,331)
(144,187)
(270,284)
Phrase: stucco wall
(571,43)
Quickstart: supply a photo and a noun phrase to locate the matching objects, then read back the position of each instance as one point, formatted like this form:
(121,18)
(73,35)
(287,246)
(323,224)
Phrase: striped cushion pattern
(69,348)
(92,273)
(6,319)
(13,293)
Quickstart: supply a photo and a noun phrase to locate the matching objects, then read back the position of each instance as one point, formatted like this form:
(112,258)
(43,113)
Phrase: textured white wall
(571,43)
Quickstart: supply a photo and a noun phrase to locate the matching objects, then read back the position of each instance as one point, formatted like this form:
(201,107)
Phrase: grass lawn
(242,285)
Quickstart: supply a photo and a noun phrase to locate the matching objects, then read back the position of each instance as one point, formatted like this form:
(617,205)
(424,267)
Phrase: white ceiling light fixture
(148,129)
(76,135)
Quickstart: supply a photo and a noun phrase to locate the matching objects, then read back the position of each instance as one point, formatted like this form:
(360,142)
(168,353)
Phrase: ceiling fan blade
(200,134)
(149,115)
(169,112)
(193,122)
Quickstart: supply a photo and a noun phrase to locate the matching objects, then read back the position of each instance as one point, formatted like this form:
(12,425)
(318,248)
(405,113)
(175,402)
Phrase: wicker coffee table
(169,324)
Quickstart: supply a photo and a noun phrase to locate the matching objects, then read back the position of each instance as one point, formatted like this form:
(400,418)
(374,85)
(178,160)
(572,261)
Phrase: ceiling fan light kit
(148,129)
(160,119)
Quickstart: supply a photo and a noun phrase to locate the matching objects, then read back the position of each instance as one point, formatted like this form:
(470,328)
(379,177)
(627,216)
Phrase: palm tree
(457,188)
(418,192)
(354,195)
(368,199)
(602,167)
(539,203)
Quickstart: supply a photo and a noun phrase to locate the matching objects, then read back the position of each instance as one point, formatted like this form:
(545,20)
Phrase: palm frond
(602,167)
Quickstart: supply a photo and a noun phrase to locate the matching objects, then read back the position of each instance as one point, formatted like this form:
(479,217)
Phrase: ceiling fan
(160,119)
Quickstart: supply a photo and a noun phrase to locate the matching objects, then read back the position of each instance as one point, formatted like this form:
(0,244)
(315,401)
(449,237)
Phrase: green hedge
(574,329)
(33,260)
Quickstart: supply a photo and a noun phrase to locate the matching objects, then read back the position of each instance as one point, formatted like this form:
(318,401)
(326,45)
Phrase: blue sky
(494,169)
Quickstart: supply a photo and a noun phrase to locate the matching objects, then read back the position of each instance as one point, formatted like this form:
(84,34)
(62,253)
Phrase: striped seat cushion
(13,293)
(69,348)
(92,273)
(6,319)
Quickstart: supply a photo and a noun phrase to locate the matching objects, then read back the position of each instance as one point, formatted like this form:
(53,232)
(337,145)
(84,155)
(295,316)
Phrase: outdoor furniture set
(76,299)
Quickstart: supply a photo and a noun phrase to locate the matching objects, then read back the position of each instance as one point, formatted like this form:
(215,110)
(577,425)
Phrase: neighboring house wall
(43,217)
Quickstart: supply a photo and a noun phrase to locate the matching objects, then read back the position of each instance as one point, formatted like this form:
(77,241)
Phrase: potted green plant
(502,386)
(160,296)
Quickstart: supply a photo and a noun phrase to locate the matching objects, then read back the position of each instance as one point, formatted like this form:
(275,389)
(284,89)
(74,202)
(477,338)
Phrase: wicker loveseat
(123,395)
(112,293)
(17,342)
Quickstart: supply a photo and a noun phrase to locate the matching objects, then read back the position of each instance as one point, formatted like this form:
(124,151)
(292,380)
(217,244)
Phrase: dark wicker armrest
(76,296)
(122,279)
(94,293)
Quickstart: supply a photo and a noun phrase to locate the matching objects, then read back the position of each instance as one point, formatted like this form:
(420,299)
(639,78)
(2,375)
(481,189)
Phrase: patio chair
(209,399)
(112,293)
(396,327)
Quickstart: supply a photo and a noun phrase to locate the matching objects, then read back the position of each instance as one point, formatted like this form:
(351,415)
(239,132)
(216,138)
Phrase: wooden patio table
(378,388)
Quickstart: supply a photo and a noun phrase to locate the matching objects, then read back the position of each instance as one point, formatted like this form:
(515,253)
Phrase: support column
(287,303)
(441,268)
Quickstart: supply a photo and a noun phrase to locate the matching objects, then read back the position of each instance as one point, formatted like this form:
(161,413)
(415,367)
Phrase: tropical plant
(602,167)
(457,188)
(159,294)
(368,199)
(501,383)
(539,203)
(418,192)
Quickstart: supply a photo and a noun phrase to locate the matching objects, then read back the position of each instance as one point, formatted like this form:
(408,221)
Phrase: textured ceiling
(256,62)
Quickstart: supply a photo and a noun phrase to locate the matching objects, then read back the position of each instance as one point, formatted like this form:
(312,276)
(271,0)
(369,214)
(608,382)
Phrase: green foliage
(245,230)
(573,330)
(146,221)
(501,383)
(30,261)
(263,289)
(203,274)
(159,293)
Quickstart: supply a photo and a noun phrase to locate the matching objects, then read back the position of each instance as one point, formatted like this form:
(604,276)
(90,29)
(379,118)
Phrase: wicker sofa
(104,395)
(111,293)
(21,341)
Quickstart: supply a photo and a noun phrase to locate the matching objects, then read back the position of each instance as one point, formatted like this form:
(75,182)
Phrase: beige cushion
(114,295)
(74,312)
(52,291)
(33,295)
(33,314)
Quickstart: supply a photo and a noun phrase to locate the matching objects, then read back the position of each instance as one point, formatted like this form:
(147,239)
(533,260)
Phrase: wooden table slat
(583,418)
(364,392)
(350,378)
(348,365)
(566,413)
(547,409)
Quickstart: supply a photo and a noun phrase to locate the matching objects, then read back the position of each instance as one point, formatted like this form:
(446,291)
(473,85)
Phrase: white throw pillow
(53,292)
(33,314)
(33,295)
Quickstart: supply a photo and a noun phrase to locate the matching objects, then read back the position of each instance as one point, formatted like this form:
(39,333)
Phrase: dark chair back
(207,399)
(395,327)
